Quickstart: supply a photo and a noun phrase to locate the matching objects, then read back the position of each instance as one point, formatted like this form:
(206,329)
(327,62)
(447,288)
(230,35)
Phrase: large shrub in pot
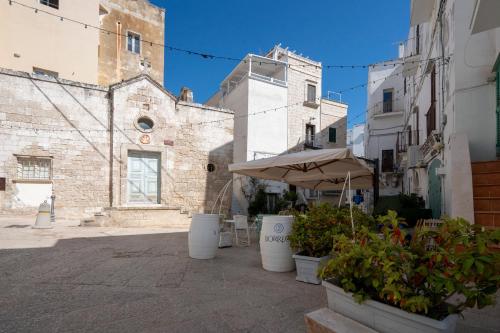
(313,232)
(421,276)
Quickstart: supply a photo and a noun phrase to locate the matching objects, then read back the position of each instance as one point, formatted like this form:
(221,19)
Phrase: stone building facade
(137,43)
(114,40)
(278,109)
(132,150)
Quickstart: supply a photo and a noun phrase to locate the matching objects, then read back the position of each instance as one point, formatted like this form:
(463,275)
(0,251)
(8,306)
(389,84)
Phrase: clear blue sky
(330,31)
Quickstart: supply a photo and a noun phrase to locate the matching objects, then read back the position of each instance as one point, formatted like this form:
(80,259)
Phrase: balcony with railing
(388,108)
(256,67)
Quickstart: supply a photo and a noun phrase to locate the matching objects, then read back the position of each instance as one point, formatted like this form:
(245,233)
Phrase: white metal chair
(241,225)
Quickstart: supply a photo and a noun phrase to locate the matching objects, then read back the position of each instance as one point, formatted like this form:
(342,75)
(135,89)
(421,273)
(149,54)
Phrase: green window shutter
(332,134)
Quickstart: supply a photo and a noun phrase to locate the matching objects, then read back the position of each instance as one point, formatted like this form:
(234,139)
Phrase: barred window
(33,168)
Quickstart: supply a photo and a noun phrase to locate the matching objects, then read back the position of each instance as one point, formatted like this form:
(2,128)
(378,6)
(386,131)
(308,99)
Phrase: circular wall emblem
(145,139)
(278,228)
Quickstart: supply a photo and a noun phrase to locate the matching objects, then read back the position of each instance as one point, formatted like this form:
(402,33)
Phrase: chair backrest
(432,224)
(240,221)
(429,224)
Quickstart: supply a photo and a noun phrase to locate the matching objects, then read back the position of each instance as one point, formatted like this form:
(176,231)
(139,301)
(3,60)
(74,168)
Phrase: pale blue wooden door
(143,177)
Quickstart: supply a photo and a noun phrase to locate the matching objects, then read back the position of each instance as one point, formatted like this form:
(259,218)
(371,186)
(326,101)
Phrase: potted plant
(312,237)
(392,285)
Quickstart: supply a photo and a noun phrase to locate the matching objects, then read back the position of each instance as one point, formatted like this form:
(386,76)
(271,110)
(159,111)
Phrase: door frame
(151,155)
(120,199)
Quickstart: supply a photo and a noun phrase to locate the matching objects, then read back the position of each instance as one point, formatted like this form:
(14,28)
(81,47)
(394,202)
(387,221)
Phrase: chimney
(186,95)
(401,50)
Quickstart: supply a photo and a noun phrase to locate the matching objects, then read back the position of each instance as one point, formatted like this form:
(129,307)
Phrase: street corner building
(132,150)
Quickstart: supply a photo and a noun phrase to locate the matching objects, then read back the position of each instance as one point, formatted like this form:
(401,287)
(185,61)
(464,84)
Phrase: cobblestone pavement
(138,280)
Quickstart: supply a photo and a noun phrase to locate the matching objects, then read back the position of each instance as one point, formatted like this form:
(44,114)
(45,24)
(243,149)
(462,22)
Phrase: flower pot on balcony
(307,268)
(382,317)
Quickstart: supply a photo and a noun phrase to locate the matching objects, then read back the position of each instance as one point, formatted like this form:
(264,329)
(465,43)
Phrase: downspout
(442,115)
(111,147)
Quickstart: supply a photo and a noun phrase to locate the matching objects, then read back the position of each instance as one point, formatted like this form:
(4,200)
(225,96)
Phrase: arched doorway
(434,189)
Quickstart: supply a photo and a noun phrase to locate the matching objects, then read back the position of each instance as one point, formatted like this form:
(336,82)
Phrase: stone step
(487,204)
(486,179)
(326,321)
(490,219)
(486,190)
(485,167)
(138,217)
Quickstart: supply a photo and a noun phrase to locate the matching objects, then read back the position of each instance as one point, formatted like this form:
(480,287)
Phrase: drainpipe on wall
(111,137)
(442,6)
(118,49)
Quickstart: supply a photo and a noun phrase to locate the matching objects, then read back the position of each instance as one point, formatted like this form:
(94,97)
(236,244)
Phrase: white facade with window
(449,102)
(278,108)
(384,119)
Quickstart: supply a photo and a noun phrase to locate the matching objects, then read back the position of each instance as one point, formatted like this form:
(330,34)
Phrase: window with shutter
(133,42)
(332,134)
(311,93)
(387,98)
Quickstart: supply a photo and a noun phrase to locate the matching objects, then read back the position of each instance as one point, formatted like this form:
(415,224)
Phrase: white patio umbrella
(324,169)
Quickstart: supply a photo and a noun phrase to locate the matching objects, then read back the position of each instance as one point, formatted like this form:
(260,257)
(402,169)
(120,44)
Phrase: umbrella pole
(350,204)
(343,189)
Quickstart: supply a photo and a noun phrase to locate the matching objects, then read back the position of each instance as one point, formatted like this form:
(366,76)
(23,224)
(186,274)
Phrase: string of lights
(362,85)
(209,56)
(218,121)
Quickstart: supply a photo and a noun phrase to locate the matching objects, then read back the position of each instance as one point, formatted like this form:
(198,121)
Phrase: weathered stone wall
(300,113)
(196,146)
(70,123)
(63,120)
(116,63)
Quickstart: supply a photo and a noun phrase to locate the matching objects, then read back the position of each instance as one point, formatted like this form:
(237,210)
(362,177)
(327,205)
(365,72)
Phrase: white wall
(358,133)
(267,132)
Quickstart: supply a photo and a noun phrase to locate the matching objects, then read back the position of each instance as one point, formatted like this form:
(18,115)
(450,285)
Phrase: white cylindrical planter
(274,243)
(203,236)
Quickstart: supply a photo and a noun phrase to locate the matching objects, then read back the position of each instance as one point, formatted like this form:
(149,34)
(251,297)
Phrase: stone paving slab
(82,280)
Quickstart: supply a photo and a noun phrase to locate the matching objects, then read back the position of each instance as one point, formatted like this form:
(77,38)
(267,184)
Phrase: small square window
(51,3)
(134,42)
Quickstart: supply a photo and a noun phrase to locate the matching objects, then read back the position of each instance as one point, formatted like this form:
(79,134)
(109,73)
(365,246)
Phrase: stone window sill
(311,104)
(32,181)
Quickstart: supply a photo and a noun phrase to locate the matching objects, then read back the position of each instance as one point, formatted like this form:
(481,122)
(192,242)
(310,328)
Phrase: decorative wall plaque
(145,139)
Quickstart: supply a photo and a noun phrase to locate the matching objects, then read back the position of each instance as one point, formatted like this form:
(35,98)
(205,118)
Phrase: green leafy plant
(313,232)
(423,276)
